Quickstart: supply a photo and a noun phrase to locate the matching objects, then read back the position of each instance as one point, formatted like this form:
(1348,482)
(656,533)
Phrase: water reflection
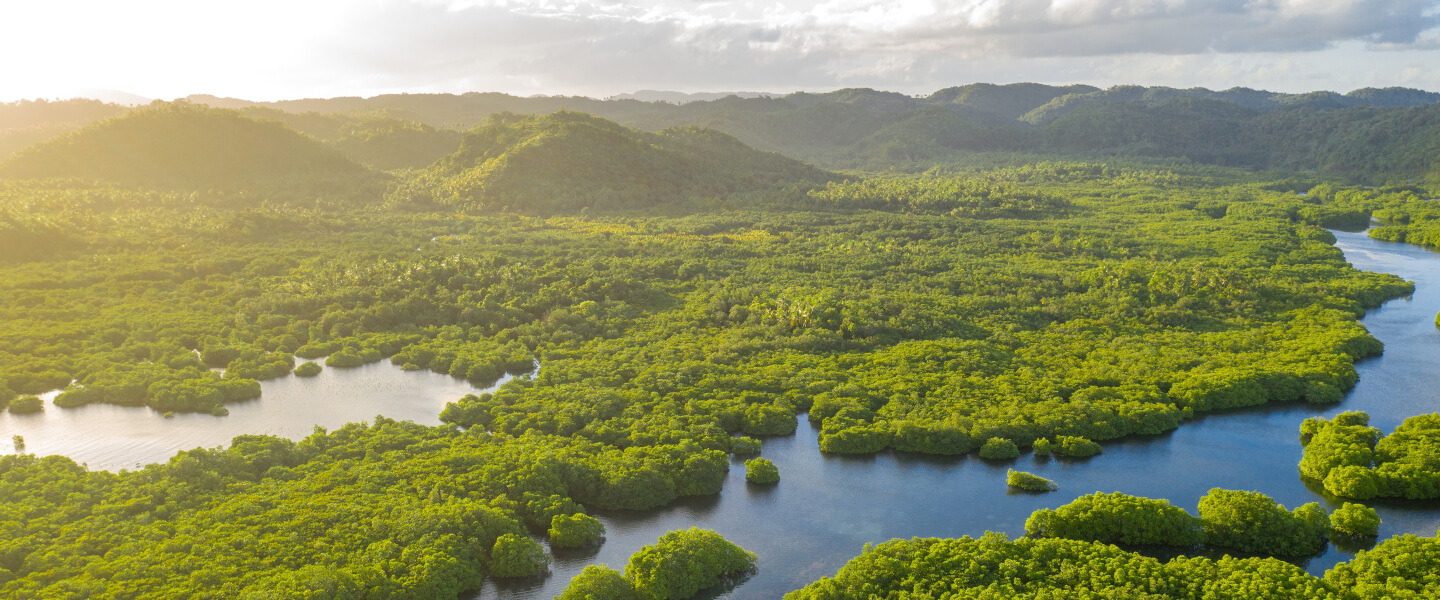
(112,437)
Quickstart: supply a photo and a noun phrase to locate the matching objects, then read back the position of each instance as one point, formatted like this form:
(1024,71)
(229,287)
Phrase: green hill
(179,145)
(569,160)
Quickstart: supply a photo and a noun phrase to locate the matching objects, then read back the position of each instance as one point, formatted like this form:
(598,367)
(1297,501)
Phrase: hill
(179,145)
(569,160)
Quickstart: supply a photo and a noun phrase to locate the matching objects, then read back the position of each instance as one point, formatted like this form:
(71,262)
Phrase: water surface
(826,507)
(105,436)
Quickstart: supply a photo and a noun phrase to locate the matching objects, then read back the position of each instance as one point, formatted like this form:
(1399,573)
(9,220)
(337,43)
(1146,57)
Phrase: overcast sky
(274,49)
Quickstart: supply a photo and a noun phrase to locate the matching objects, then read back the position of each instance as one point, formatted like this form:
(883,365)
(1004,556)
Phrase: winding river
(827,507)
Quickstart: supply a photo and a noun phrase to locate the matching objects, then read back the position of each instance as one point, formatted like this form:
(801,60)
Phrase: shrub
(999,449)
(350,357)
(1118,519)
(684,562)
(1355,520)
(744,445)
(1029,482)
(1253,522)
(26,405)
(517,556)
(308,369)
(598,582)
(769,419)
(1042,447)
(575,531)
(1076,447)
(77,396)
(759,470)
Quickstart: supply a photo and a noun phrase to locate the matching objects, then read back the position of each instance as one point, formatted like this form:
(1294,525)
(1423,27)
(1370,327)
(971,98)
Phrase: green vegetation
(1075,446)
(1042,447)
(1026,569)
(1118,519)
(684,562)
(1245,521)
(1356,520)
(598,582)
(999,449)
(26,405)
(759,470)
(308,369)
(677,566)
(1253,522)
(185,146)
(567,161)
(1031,483)
(575,531)
(1405,566)
(517,555)
(678,290)
(1354,460)
(744,445)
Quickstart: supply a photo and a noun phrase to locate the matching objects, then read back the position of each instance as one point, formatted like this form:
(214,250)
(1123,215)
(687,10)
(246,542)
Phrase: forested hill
(183,146)
(1369,135)
(570,160)
(869,129)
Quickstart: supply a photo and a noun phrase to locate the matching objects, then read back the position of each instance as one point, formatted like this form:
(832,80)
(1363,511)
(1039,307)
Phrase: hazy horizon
(274,50)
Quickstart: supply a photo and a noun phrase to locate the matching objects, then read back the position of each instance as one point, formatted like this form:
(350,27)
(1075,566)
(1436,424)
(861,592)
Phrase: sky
(273,49)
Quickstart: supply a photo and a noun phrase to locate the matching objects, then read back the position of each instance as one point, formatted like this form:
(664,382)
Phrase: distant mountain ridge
(182,145)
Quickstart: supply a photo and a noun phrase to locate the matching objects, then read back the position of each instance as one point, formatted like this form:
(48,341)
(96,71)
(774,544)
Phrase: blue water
(826,507)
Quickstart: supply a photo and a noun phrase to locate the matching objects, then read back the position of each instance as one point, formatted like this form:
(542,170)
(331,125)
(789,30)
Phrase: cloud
(584,44)
(275,48)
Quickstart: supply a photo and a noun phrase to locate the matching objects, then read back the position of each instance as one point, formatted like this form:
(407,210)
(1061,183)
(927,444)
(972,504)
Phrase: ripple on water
(112,437)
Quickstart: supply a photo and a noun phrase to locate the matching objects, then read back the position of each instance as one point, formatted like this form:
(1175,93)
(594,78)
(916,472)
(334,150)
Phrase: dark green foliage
(350,357)
(1253,522)
(389,143)
(517,555)
(1353,460)
(768,419)
(575,531)
(78,396)
(308,369)
(999,449)
(1026,569)
(1028,482)
(1075,446)
(684,562)
(1042,447)
(744,445)
(1355,520)
(26,405)
(1405,567)
(596,582)
(937,194)
(1118,519)
(760,470)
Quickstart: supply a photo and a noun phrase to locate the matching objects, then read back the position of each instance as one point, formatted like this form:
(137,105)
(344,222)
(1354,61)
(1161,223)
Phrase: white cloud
(274,48)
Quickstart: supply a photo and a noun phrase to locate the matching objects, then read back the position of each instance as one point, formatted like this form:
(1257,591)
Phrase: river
(826,507)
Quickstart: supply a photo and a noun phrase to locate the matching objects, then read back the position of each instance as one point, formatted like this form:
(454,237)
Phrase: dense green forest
(994,567)
(1229,520)
(1353,460)
(678,288)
